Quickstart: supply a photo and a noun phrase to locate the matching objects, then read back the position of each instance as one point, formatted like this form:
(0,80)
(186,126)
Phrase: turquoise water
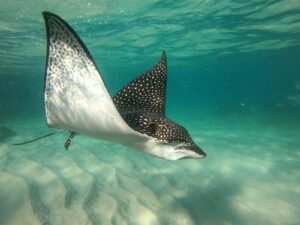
(233,82)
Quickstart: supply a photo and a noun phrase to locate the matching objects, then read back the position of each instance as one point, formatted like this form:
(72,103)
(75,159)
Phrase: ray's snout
(200,152)
(195,152)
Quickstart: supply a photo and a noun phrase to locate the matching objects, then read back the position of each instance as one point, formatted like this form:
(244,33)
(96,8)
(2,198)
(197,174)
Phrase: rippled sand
(251,176)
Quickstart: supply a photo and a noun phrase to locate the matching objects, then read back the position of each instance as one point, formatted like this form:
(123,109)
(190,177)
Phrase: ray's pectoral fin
(76,97)
(142,104)
(147,93)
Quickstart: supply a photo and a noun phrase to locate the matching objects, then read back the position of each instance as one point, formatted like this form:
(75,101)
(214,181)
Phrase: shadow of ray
(5,133)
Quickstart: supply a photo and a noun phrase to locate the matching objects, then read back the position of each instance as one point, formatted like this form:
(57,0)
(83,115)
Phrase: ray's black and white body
(77,99)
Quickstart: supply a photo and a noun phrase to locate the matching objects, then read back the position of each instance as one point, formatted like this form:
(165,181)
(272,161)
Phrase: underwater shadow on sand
(6,133)
(213,205)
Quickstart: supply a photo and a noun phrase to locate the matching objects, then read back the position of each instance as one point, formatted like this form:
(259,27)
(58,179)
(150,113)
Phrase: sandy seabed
(251,176)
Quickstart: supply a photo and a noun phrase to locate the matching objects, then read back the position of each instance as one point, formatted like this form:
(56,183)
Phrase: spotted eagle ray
(76,99)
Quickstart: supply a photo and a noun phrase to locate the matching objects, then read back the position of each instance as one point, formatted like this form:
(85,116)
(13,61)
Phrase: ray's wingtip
(163,57)
(46,16)
(46,13)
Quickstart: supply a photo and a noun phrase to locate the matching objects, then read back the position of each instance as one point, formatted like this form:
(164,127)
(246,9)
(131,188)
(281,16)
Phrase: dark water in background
(233,81)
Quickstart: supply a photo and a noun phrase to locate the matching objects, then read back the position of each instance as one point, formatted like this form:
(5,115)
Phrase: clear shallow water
(233,83)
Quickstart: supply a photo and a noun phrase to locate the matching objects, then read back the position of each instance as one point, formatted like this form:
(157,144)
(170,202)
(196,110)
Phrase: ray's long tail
(38,138)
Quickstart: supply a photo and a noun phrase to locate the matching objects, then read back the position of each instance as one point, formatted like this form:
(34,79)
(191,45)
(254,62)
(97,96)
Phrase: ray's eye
(153,128)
